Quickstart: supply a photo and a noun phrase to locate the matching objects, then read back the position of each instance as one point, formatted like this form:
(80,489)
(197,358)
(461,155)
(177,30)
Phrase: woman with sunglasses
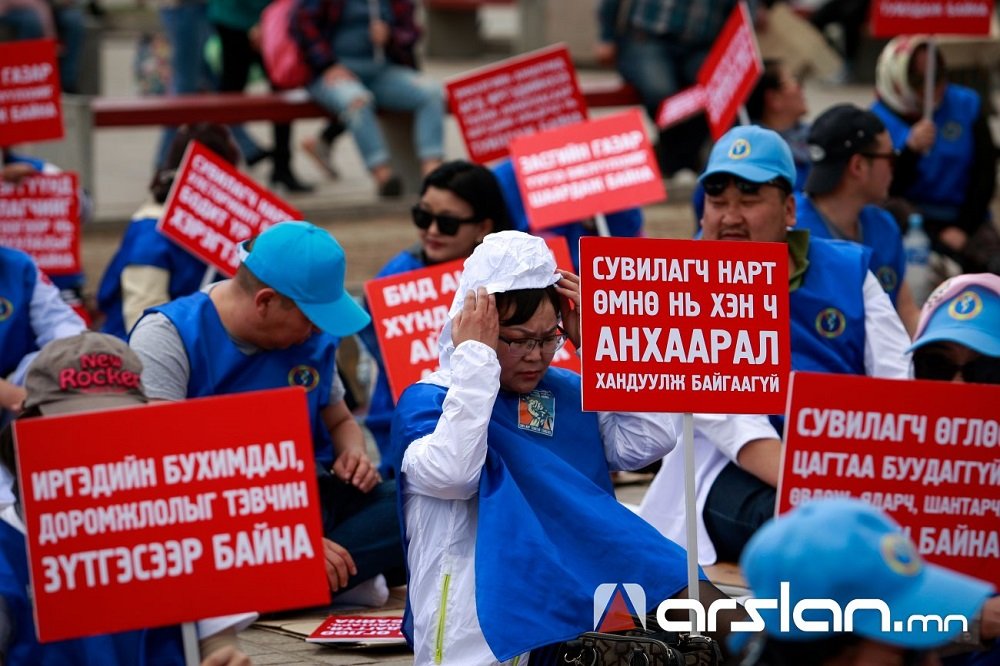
(460,203)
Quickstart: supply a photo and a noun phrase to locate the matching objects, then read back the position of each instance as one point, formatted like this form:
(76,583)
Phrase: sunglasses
(933,365)
(446,224)
(892,156)
(716,184)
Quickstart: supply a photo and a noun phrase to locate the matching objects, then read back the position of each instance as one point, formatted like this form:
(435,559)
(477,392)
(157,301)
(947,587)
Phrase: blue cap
(966,310)
(752,153)
(846,549)
(306,264)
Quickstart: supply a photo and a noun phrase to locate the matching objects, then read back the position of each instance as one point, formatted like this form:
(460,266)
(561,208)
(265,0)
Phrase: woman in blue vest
(460,203)
(149,269)
(947,164)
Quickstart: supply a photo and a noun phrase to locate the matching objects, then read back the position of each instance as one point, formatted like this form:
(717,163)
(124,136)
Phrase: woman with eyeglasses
(460,203)
(947,163)
(510,518)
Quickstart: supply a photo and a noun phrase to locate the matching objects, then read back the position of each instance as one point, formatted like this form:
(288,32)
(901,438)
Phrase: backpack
(281,55)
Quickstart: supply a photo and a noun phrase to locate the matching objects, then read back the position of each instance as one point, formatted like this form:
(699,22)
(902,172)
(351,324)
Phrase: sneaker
(320,150)
(287,182)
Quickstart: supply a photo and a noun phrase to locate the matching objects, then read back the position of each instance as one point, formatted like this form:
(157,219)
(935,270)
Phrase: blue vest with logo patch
(943,173)
(143,245)
(147,647)
(218,366)
(879,232)
(545,480)
(828,310)
(18,276)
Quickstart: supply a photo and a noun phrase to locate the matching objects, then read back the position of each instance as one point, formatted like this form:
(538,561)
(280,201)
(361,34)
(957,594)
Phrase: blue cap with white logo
(966,310)
(752,153)
(842,550)
(306,264)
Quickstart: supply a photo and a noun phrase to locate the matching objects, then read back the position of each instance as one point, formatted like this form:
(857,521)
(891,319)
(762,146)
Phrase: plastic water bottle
(918,253)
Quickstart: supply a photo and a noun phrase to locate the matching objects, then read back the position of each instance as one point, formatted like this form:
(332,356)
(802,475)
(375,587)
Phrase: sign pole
(744,116)
(602,225)
(931,75)
(192,654)
(691,517)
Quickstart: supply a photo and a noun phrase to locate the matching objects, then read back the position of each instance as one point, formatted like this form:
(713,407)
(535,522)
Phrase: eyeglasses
(892,156)
(933,365)
(717,183)
(446,224)
(524,346)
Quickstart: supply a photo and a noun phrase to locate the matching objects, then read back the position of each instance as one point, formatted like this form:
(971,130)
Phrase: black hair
(216,138)
(769,80)
(914,78)
(474,184)
(523,303)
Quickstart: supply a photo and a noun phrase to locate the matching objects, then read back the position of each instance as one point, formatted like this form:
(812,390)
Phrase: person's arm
(982,178)
(446,463)
(886,340)
(309,28)
(165,366)
(749,440)
(142,287)
(633,440)
(50,319)
(907,309)
(351,463)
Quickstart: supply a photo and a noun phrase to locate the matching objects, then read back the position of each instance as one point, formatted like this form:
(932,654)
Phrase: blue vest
(879,232)
(18,276)
(944,172)
(382,406)
(828,310)
(143,245)
(218,367)
(550,530)
(146,647)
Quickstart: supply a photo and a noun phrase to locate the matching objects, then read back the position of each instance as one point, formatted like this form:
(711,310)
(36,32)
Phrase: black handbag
(634,648)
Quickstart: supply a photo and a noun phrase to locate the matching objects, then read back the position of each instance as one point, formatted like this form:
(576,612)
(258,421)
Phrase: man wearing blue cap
(801,556)
(270,326)
(842,321)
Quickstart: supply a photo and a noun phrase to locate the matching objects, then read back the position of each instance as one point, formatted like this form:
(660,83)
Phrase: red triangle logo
(618,616)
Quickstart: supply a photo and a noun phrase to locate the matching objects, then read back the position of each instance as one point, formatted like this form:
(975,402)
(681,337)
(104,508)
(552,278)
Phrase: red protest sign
(521,95)
(684,326)
(133,514)
(731,70)
(942,17)
(924,451)
(360,629)
(40,215)
(409,309)
(212,207)
(576,171)
(30,107)
(681,106)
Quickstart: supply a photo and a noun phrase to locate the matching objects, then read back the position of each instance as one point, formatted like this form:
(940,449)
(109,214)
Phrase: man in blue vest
(842,321)
(853,160)
(273,325)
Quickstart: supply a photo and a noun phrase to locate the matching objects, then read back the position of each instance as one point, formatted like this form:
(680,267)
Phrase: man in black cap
(853,158)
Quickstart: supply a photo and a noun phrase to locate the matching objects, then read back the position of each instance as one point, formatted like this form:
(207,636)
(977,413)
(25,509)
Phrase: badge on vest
(305,376)
(830,323)
(536,412)
(951,131)
(887,278)
(6,309)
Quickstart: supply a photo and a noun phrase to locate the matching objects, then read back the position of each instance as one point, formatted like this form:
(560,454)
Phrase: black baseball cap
(838,133)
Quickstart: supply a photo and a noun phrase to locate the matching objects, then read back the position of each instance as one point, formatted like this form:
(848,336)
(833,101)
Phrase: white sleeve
(633,440)
(886,340)
(165,366)
(446,463)
(729,433)
(50,319)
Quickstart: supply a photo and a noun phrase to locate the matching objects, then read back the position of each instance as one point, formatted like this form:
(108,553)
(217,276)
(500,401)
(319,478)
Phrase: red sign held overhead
(731,70)
(41,216)
(137,512)
(213,207)
(573,172)
(30,108)
(684,326)
(924,451)
(520,95)
(409,309)
(942,17)
(681,106)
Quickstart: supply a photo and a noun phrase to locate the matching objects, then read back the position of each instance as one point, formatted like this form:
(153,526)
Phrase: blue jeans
(736,507)
(69,23)
(391,87)
(25,23)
